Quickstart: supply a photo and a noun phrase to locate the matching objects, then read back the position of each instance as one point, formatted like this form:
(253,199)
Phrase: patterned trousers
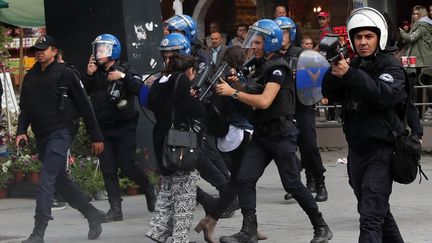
(173,212)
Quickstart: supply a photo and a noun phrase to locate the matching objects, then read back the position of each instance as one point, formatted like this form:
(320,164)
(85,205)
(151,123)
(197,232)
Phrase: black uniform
(51,100)
(274,138)
(305,122)
(372,92)
(119,130)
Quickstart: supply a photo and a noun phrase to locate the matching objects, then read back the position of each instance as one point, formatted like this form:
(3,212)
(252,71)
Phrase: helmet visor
(254,38)
(101,50)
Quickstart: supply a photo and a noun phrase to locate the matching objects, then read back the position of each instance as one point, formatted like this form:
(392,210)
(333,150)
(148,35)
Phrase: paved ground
(283,221)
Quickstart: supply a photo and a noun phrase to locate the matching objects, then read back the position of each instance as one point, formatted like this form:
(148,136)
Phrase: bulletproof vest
(106,110)
(284,102)
(293,54)
(255,83)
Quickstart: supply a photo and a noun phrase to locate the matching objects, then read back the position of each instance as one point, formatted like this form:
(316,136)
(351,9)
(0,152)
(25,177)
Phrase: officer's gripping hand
(91,66)
(97,148)
(115,75)
(341,67)
(224,89)
(19,138)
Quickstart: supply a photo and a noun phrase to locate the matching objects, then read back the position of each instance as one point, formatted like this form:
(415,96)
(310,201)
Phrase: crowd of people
(252,117)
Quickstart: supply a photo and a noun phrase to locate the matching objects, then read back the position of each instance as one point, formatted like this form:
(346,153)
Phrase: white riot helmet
(367,17)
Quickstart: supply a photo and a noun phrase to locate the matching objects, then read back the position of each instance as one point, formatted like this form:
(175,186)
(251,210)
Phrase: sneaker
(58,205)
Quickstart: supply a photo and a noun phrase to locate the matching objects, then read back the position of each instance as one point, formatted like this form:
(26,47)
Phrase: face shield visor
(102,49)
(254,38)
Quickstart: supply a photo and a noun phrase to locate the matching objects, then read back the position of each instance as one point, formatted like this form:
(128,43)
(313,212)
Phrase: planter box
(23,190)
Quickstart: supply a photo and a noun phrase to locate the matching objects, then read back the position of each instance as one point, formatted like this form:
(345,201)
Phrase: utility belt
(278,127)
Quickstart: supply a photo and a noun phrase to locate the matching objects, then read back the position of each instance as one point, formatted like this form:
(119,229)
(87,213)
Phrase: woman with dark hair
(172,93)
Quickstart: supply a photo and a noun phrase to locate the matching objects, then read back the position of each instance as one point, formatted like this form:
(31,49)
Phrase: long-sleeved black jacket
(41,96)
(97,86)
(372,92)
(162,101)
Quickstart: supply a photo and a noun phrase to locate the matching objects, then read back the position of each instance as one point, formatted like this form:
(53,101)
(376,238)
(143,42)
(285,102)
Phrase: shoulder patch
(386,77)
(277,72)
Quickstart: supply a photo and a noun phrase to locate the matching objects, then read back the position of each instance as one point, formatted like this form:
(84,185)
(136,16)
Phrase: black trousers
(211,165)
(261,151)
(370,177)
(309,152)
(119,153)
(233,160)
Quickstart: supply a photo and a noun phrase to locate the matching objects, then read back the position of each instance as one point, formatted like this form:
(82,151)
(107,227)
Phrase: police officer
(52,99)
(305,120)
(186,25)
(371,87)
(112,85)
(271,91)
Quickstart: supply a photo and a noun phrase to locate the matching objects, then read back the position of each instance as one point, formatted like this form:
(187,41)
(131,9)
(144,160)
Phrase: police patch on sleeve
(386,77)
(277,72)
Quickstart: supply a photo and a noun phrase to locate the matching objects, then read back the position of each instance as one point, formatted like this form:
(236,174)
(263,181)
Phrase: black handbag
(406,160)
(180,150)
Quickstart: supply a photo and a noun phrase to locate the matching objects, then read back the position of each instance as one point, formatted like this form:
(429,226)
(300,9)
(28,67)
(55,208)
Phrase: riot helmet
(370,19)
(286,23)
(106,45)
(175,42)
(270,32)
(184,23)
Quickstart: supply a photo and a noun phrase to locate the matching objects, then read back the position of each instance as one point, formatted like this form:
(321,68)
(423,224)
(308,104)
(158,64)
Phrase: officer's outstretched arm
(259,101)
(385,91)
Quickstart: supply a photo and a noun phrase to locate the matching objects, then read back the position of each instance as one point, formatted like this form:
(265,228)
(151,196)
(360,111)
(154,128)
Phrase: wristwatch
(235,94)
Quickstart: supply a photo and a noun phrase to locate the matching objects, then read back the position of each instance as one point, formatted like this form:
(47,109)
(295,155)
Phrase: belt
(275,127)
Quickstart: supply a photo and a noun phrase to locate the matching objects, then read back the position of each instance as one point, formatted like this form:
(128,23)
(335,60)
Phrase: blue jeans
(53,149)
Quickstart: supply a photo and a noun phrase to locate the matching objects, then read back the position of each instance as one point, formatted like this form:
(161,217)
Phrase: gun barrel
(214,79)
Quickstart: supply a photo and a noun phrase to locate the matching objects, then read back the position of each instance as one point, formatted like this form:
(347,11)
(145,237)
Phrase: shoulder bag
(180,150)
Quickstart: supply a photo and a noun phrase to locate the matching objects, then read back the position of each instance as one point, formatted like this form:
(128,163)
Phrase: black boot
(247,234)
(150,196)
(38,232)
(229,212)
(321,193)
(115,211)
(206,200)
(95,218)
(322,233)
(310,182)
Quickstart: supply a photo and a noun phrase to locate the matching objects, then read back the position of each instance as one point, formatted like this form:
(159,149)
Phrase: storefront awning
(3,4)
(23,13)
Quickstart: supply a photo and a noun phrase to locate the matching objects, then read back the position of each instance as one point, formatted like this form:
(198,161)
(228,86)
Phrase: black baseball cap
(44,42)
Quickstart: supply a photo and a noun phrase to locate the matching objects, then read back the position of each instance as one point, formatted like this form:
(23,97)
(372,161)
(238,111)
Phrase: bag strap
(174,91)
(408,88)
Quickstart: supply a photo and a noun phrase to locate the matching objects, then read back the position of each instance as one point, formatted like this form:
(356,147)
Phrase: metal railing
(421,101)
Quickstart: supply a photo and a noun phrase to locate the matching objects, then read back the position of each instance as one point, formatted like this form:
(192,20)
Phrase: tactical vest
(284,102)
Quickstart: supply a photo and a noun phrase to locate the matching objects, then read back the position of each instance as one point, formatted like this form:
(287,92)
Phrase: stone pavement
(283,221)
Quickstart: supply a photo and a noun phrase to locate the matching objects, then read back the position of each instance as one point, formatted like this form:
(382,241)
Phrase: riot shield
(311,67)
